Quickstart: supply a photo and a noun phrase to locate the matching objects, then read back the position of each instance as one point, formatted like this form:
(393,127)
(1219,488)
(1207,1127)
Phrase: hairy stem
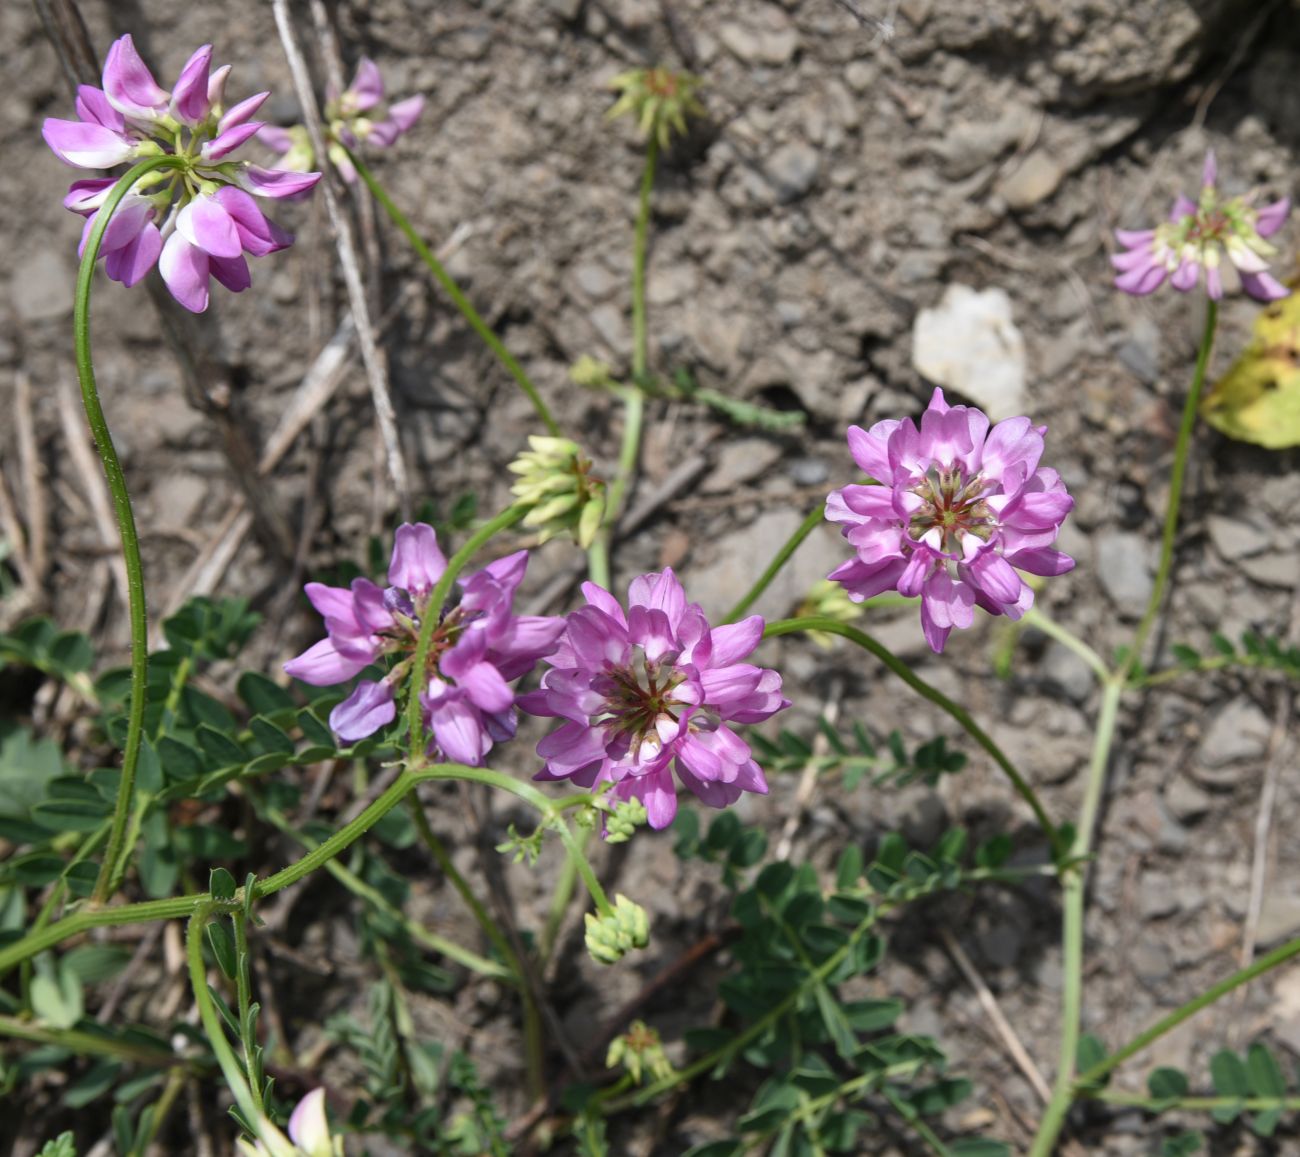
(462,303)
(116,851)
(940,700)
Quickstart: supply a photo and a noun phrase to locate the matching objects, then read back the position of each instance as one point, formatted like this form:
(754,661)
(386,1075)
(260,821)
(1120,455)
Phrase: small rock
(1062,668)
(970,145)
(925,820)
(41,287)
(1152,961)
(862,75)
(1239,732)
(608,321)
(1279,918)
(970,344)
(1037,178)
(1140,349)
(595,281)
(775,45)
(565,9)
(176,498)
(1187,801)
(1234,538)
(1124,567)
(718,338)
(792,169)
(1275,569)
(740,461)
(809,471)
(1157,896)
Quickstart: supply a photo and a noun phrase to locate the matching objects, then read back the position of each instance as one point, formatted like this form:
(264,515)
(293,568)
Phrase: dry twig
(29,464)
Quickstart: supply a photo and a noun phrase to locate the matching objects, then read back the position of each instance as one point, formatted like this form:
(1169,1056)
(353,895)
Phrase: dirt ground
(838,186)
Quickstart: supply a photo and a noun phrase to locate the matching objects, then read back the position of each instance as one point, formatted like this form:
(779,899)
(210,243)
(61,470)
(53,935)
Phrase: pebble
(1140,349)
(1275,569)
(970,344)
(611,325)
(1240,731)
(1235,538)
(595,281)
(739,461)
(1152,961)
(41,287)
(1187,801)
(1123,563)
(1157,896)
(1036,178)
(773,46)
(1063,669)
(1279,918)
(792,170)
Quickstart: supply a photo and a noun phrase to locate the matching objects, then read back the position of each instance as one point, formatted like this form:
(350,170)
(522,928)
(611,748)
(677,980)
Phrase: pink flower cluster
(195,220)
(479,647)
(959,509)
(653,691)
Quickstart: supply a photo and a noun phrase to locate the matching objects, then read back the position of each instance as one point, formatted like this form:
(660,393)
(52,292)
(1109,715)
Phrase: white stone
(970,344)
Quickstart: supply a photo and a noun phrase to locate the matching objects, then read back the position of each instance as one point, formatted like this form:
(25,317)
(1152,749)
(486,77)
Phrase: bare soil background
(837,186)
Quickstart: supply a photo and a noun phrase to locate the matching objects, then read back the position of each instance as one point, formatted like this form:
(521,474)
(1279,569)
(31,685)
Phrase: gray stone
(1275,569)
(1186,801)
(809,471)
(718,338)
(740,461)
(970,145)
(1152,961)
(1035,179)
(41,286)
(1140,349)
(1123,563)
(1234,538)
(1062,668)
(611,325)
(1157,896)
(774,45)
(970,344)
(1240,731)
(1279,918)
(595,281)
(792,170)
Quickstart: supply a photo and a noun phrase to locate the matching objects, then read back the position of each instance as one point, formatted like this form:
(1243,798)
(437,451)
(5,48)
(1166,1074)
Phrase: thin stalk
(640,350)
(108,870)
(1181,448)
(433,616)
(1271,960)
(86,1043)
(245,997)
(462,303)
(806,527)
(1068,639)
(940,700)
(1193,1104)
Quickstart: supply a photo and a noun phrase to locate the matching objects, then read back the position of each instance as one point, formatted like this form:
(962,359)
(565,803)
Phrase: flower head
(959,508)
(660,100)
(652,691)
(479,646)
(554,474)
(195,219)
(1195,237)
(349,123)
(309,1133)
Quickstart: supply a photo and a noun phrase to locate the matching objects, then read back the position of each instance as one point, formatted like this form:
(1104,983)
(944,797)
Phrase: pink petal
(87,146)
(276,182)
(1133,239)
(190,103)
(1263,286)
(257,235)
(185,270)
(241,113)
(483,685)
(228,141)
(736,641)
(1210,171)
(232,272)
(364,712)
(204,223)
(308,1127)
(93,108)
(417,563)
(129,85)
(1141,281)
(217,86)
(132,261)
(88,195)
(321,665)
(275,138)
(1271,218)
(459,732)
(406,112)
(367,87)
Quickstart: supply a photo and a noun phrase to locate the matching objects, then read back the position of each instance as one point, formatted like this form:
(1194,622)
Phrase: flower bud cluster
(609,938)
(556,478)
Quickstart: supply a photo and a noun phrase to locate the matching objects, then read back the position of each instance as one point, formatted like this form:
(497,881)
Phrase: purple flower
(346,124)
(479,647)
(1191,241)
(196,220)
(652,691)
(958,510)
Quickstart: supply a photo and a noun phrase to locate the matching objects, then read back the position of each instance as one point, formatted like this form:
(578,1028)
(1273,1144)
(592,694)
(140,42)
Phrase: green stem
(108,870)
(640,351)
(1271,960)
(245,995)
(85,1043)
(1181,449)
(433,616)
(1193,1104)
(1068,639)
(462,303)
(806,527)
(939,699)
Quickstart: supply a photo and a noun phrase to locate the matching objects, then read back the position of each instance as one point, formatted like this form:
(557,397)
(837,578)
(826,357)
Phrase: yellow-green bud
(555,478)
(659,99)
(591,374)
(624,818)
(828,600)
(639,1050)
(610,938)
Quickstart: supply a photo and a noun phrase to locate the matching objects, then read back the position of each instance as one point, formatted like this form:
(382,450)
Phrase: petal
(1263,286)
(996,577)
(276,182)
(1271,218)
(205,224)
(602,600)
(658,591)
(657,792)
(1041,561)
(1132,239)
(483,685)
(459,732)
(1182,207)
(406,112)
(597,640)
(275,138)
(308,1127)
(232,272)
(1186,275)
(129,85)
(1141,281)
(217,86)
(190,103)
(322,666)
(935,635)
(93,108)
(735,641)
(571,749)
(88,195)
(87,146)
(367,87)
(242,112)
(1210,171)
(870,449)
(131,262)
(257,234)
(417,563)
(332,603)
(185,270)
(364,712)
(227,142)
(131,217)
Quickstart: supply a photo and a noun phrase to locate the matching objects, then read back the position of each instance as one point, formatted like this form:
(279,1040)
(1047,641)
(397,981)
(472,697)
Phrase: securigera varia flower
(479,647)
(350,122)
(652,691)
(958,510)
(1196,235)
(195,219)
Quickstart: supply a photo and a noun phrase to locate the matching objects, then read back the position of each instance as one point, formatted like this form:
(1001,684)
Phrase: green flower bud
(555,478)
(828,600)
(624,818)
(610,938)
(660,99)
(639,1050)
(591,374)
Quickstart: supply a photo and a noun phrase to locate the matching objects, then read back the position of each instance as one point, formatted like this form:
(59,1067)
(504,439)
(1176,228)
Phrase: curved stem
(806,527)
(433,616)
(1181,448)
(1068,639)
(462,303)
(108,869)
(940,700)
(1271,960)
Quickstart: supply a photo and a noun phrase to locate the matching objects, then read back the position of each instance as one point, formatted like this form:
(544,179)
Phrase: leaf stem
(116,851)
(813,518)
(462,303)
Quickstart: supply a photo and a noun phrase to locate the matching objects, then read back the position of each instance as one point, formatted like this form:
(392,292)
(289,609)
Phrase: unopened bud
(555,477)
(610,938)
(660,100)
